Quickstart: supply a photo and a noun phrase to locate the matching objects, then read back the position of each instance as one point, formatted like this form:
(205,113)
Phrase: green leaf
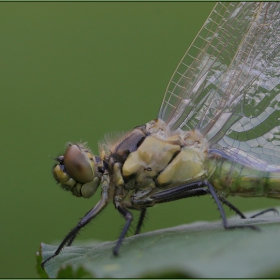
(201,249)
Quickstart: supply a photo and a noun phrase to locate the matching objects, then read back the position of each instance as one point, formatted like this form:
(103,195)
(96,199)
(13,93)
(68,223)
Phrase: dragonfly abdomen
(232,178)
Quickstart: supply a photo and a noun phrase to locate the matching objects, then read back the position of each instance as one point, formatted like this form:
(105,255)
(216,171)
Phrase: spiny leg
(224,219)
(128,217)
(73,233)
(232,207)
(181,192)
(70,241)
(70,235)
(197,188)
(199,192)
(141,220)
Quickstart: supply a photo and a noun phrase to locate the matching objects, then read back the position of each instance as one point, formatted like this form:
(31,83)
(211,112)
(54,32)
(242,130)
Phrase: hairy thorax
(150,158)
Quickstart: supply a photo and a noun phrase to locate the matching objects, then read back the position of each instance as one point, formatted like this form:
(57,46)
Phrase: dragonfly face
(217,130)
(77,171)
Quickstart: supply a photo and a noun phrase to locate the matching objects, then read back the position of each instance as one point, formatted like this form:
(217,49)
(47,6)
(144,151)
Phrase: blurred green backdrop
(71,72)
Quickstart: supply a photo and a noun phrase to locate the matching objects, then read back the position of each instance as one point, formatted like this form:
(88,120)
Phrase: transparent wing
(227,84)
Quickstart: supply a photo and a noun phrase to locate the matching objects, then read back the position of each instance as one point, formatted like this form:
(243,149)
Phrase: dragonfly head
(78,170)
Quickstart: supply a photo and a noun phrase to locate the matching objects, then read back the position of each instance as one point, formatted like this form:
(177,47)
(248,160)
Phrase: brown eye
(77,165)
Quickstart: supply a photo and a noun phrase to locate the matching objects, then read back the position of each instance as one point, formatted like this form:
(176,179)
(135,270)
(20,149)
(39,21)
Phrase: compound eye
(78,165)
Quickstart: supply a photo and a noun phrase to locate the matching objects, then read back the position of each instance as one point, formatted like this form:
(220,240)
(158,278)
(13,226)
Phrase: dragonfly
(217,132)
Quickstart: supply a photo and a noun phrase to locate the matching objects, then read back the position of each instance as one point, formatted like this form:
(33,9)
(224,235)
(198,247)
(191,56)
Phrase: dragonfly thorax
(165,159)
(151,157)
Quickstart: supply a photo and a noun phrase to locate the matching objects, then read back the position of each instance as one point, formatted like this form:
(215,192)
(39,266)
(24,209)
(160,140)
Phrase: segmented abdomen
(231,178)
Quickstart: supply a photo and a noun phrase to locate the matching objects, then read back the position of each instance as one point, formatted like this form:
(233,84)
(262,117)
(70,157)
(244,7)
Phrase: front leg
(73,233)
(89,216)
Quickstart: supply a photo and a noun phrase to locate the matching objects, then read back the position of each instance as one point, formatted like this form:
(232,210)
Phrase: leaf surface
(200,249)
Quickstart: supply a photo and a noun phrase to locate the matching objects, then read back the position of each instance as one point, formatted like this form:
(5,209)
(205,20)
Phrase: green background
(76,71)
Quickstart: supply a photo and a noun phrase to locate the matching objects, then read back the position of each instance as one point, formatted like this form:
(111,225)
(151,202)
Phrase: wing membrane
(227,84)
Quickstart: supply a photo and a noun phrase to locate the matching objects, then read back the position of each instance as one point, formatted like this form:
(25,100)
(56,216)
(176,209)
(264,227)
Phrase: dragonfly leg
(73,233)
(141,220)
(232,207)
(237,211)
(224,219)
(198,188)
(184,191)
(265,211)
(128,217)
